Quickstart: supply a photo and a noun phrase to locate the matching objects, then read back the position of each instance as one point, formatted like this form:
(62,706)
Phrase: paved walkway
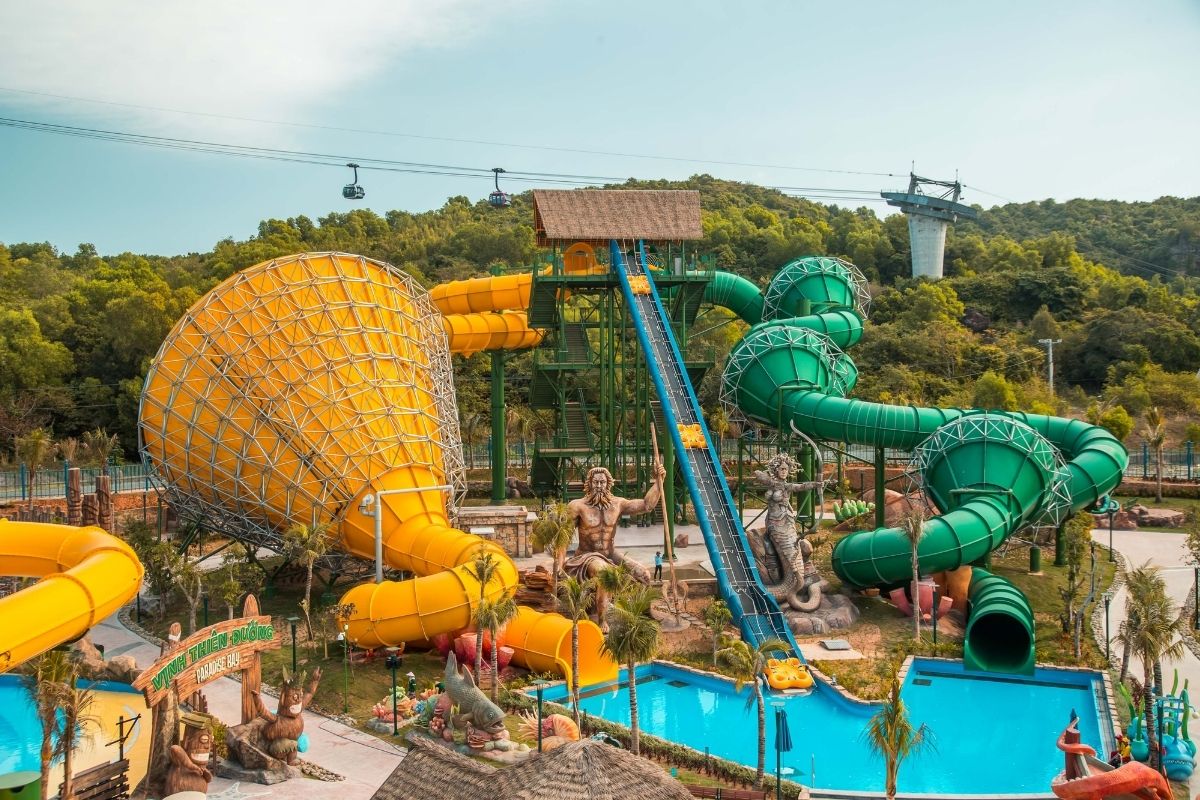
(1165,550)
(364,760)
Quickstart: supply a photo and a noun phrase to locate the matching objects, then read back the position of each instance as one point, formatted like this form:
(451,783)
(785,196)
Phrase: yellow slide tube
(507,330)
(443,598)
(86,575)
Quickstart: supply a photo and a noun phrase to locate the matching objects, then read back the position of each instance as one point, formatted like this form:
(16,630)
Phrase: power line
(399,134)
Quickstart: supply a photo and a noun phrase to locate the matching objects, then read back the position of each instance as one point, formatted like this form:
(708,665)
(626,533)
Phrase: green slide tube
(988,472)
(729,291)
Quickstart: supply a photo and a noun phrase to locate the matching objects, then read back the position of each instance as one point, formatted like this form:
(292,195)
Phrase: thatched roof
(598,215)
(586,770)
(430,770)
(590,770)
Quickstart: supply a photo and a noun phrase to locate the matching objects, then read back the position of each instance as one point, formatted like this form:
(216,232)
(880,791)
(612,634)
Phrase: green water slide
(989,473)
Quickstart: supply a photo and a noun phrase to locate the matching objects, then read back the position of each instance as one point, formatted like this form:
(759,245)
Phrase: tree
(575,598)
(1043,325)
(48,672)
(99,444)
(1156,436)
(190,580)
(35,449)
(553,532)
(716,616)
(1077,540)
(747,665)
(912,524)
(992,391)
(494,615)
(1155,632)
(891,735)
(75,705)
(632,636)
(483,568)
(307,544)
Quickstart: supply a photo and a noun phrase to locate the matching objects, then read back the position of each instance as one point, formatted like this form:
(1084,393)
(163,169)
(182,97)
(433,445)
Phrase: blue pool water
(20,731)
(992,733)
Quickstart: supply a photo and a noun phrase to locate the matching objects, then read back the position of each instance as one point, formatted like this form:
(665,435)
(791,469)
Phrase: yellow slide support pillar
(86,575)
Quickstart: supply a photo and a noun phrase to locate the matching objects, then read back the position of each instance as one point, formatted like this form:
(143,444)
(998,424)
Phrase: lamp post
(372,506)
(541,687)
(394,662)
(292,623)
(934,614)
(1112,510)
(345,637)
(1108,596)
(1196,594)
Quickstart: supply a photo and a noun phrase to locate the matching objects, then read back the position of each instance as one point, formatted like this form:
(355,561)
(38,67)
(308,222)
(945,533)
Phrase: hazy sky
(1027,100)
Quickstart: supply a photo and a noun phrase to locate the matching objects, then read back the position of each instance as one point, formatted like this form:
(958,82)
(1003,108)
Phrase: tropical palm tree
(47,674)
(553,532)
(307,544)
(75,703)
(34,450)
(716,616)
(1156,436)
(747,664)
(575,598)
(483,568)
(632,637)
(493,615)
(1157,636)
(913,526)
(99,444)
(891,735)
(610,582)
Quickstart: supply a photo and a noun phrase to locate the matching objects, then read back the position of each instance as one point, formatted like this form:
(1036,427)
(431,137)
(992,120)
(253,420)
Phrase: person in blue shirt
(657,565)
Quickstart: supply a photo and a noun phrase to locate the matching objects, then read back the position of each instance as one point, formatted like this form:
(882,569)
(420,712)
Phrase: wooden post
(251,670)
(104,505)
(74,496)
(88,515)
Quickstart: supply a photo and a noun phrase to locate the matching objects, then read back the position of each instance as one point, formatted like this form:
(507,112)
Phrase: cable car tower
(929,215)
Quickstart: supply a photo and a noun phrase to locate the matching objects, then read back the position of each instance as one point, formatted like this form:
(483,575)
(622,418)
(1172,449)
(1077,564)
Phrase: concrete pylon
(929,215)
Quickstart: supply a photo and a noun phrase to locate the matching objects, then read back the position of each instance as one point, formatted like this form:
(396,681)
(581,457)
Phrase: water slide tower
(929,214)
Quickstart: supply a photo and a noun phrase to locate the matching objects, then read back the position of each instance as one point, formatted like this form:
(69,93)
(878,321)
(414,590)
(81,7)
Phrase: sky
(1024,100)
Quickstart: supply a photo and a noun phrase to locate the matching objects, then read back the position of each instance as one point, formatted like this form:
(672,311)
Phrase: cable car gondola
(499,199)
(353,191)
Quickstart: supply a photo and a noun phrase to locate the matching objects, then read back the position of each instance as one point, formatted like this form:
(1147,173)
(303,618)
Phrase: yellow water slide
(85,575)
(300,386)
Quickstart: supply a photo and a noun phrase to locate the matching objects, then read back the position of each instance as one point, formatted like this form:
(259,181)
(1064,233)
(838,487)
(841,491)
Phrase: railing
(50,482)
(1178,462)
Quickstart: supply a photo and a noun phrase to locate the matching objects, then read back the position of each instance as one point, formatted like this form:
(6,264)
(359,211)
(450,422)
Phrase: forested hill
(78,330)
(1158,238)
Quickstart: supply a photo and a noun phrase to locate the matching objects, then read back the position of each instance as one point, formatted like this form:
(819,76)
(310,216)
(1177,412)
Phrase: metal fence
(51,482)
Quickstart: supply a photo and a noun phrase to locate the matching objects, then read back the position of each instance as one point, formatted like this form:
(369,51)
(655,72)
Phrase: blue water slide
(754,609)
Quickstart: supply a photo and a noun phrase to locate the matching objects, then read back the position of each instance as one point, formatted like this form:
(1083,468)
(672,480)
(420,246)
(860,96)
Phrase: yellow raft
(788,673)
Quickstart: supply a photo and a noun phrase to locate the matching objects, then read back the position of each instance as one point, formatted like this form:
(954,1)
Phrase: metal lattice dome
(294,384)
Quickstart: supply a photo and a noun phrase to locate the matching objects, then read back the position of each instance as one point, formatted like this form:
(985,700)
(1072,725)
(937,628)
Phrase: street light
(783,743)
(541,686)
(394,662)
(935,616)
(1108,596)
(292,622)
(1196,595)
(371,506)
(345,637)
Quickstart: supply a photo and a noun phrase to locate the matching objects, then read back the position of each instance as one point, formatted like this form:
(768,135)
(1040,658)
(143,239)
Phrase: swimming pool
(994,734)
(20,731)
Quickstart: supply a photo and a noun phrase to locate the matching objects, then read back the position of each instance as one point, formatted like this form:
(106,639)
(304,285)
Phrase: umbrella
(783,737)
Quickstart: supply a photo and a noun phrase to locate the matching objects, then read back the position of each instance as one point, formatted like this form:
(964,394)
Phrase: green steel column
(1060,546)
(499,450)
(880,475)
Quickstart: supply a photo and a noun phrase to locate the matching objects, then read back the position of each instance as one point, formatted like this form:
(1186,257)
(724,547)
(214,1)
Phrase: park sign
(209,653)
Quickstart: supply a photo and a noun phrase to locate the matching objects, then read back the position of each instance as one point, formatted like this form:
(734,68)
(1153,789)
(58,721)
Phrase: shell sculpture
(557,730)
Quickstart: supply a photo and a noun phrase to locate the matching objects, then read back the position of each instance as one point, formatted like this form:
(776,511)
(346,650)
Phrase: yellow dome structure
(305,388)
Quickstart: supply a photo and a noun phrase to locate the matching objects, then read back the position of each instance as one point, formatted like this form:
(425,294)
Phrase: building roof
(598,215)
(586,770)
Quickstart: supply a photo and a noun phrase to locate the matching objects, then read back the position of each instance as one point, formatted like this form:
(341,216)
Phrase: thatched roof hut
(586,770)
(598,215)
